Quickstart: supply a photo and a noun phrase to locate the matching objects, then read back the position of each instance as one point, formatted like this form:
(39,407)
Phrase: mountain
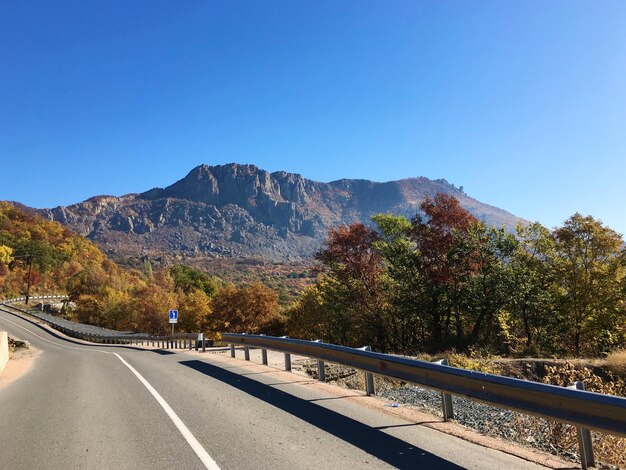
(233,211)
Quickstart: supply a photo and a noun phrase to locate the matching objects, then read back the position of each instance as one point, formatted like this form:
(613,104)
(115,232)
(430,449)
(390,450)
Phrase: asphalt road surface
(115,407)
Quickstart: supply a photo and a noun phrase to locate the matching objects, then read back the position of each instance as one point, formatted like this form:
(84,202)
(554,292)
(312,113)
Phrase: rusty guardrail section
(581,408)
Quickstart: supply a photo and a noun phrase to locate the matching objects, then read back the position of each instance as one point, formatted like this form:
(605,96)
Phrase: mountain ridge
(240,210)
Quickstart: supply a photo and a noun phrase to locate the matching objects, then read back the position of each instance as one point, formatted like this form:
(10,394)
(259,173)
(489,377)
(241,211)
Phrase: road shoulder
(410,415)
(19,364)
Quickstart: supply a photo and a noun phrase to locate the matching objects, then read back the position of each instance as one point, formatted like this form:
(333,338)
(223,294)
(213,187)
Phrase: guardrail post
(369,377)
(585,445)
(246,353)
(446,398)
(321,369)
(232,350)
(263,355)
(287,358)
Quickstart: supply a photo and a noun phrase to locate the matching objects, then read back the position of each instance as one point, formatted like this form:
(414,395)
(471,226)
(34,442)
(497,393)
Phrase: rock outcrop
(242,211)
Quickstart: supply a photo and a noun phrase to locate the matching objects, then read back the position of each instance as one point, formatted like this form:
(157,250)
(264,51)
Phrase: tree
(247,309)
(111,308)
(489,251)
(5,255)
(89,281)
(442,243)
(146,268)
(195,313)
(187,279)
(321,313)
(152,302)
(590,269)
(403,284)
(354,268)
(533,294)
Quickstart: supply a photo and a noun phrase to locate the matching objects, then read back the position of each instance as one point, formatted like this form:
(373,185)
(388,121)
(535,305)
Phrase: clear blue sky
(523,103)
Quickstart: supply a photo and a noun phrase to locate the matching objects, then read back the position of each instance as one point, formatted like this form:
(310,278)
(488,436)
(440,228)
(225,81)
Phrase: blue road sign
(173,316)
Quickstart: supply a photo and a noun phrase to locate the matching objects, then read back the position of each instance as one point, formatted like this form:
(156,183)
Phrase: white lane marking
(202,454)
(208,462)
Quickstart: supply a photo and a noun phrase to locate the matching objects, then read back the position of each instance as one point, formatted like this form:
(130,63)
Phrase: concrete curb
(4,350)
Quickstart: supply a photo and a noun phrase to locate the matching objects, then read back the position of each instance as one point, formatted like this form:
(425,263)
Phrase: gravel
(496,422)
(555,438)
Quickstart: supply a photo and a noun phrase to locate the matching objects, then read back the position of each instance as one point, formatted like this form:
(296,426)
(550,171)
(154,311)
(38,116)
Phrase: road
(94,406)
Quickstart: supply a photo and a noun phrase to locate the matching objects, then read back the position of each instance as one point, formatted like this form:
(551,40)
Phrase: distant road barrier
(586,410)
(177,341)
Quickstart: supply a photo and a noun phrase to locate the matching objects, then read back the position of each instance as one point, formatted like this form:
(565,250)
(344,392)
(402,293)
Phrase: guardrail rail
(177,341)
(585,410)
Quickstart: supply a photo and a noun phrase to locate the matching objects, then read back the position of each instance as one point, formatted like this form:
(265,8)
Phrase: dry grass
(470,363)
(608,449)
(616,361)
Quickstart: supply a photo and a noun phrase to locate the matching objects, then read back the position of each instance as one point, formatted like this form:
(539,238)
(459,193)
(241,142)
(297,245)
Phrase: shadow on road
(394,451)
(162,352)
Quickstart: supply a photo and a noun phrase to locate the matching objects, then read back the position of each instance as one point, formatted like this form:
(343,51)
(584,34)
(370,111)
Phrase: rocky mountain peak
(237,210)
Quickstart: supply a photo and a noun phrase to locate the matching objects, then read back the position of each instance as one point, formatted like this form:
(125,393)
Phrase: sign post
(173,319)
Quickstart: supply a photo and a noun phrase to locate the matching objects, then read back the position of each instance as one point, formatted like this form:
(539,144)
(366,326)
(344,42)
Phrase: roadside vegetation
(442,281)
(440,285)
(445,281)
(44,257)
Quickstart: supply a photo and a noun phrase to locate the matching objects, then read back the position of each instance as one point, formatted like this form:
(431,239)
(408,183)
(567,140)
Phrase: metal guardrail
(586,410)
(573,405)
(177,341)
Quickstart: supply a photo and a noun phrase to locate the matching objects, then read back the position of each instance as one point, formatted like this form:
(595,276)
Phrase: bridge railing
(585,410)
